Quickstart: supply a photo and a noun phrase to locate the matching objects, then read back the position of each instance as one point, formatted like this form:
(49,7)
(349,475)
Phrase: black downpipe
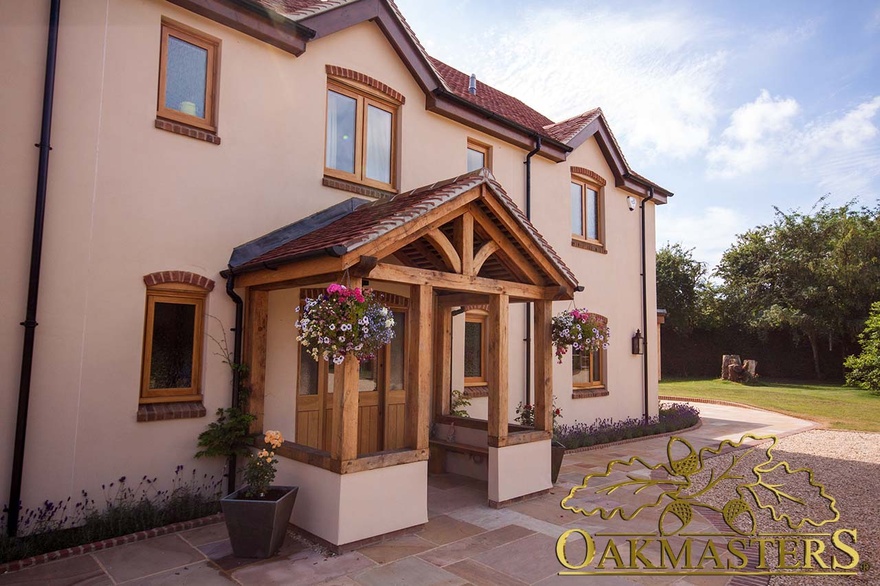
(528,338)
(645,303)
(236,359)
(30,320)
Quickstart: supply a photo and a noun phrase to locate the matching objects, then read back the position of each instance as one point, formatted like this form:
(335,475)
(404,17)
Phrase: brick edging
(108,543)
(635,439)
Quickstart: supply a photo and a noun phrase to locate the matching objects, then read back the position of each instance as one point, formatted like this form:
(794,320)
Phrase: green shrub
(864,368)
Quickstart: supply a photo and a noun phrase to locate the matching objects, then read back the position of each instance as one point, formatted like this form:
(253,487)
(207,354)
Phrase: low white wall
(343,508)
(380,501)
(519,470)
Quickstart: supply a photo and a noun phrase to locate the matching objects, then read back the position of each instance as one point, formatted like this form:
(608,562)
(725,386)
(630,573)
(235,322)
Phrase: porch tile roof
(356,223)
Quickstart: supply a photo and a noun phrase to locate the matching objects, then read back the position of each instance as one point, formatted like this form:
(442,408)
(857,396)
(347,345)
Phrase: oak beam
(442,244)
(254,344)
(456,282)
(543,366)
(521,264)
(487,250)
(462,299)
(442,359)
(270,274)
(463,237)
(418,385)
(497,368)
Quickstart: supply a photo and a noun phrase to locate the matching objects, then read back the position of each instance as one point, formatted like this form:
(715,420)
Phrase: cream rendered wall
(518,470)
(126,199)
(282,363)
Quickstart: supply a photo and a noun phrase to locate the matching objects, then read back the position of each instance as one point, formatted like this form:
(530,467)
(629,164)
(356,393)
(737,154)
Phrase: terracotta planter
(256,526)
(557,452)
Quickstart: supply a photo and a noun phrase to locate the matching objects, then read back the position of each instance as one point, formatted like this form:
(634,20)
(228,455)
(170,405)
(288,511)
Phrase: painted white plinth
(344,508)
(518,470)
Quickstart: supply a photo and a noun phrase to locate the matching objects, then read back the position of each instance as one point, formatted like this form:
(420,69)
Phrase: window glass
(398,342)
(475,160)
(577,209)
(473,349)
(171,362)
(586,369)
(592,214)
(341,114)
(186,76)
(308,373)
(367,375)
(378,144)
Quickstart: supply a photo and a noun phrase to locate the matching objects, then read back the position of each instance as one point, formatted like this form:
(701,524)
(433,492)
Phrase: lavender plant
(672,417)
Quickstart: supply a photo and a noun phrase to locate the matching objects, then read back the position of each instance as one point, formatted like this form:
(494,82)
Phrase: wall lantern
(638,343)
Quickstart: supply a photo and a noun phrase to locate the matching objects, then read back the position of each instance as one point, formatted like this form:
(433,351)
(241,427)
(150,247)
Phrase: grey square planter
(257,527)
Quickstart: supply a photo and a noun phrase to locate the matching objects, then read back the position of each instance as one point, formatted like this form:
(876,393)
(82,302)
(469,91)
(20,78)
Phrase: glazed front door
(381,398)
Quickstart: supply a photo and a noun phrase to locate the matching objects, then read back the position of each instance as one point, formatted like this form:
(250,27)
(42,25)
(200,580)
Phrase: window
(588,370)
(173,336)
(479,155)
(361,136)
(475,346)
(586,211)
(188,74)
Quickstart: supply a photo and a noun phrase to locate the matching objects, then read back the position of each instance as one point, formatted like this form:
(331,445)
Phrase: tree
(813,273)
(864,368)
(681,287)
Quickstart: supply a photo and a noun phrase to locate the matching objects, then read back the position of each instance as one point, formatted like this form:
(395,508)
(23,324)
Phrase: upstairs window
(479,155)
(586,211)
(361,136)
(188,75)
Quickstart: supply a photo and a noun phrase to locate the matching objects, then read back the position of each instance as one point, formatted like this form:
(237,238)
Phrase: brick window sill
(589,393)
(184,130)
(164,411)
(583,244)
(473,392)
(355,188)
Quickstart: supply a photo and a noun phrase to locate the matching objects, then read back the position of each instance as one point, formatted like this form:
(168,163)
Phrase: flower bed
(672,417)
(125,510)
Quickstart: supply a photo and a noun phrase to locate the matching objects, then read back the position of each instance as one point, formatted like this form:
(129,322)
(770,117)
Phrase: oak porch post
(344,431)
(254,346)
(543,366)
(419,357)
(497,371)
(442,354)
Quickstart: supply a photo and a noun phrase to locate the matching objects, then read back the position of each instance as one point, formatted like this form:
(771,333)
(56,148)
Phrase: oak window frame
(586,186)
(482,148)
(596,365)
(364,97)
(482,318)
(178,294)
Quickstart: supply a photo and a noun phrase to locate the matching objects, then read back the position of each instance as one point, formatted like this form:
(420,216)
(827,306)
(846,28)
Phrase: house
(215,160)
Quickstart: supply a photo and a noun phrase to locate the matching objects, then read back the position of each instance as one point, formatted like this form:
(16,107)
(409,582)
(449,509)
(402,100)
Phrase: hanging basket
(344,321)
(581,330)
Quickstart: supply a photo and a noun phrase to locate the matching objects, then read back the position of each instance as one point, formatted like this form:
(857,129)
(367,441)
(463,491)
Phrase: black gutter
(336,251)
(236,360)
(30,320)
(528,338)
(645,303)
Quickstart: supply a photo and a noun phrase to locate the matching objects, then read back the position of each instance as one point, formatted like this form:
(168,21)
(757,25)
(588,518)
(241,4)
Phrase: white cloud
(710,231)
(750,142)
(838,152)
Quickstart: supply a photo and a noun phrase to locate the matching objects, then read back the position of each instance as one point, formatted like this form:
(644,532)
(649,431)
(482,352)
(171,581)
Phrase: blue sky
(735,106)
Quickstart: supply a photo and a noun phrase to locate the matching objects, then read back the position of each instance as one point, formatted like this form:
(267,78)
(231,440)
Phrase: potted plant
(344,321)
(257,514)
(525,415)
(581,330)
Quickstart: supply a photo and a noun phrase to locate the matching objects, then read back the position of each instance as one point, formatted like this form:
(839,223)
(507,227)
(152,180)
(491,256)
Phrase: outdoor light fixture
(638,343)
(632,202)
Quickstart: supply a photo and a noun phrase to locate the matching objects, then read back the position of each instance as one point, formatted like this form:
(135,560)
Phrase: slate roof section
(367,222)
(299,9)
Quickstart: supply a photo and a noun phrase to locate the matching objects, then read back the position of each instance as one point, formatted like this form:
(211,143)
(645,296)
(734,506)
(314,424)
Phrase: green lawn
(834,405)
